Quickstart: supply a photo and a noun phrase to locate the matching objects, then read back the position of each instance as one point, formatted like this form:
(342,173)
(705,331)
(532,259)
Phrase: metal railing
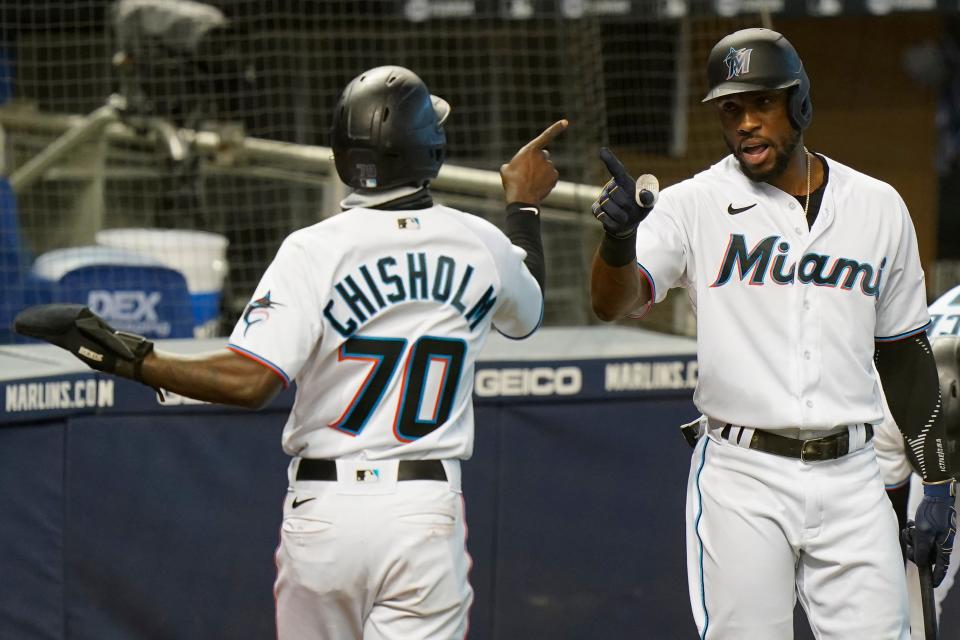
(287,161)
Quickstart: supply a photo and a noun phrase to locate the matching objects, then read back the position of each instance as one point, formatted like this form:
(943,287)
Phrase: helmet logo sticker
(738,62)
(367,174)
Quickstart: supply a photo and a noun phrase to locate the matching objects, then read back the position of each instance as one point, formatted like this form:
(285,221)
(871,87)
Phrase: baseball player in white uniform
(904,485)
(378,314)
(801,271)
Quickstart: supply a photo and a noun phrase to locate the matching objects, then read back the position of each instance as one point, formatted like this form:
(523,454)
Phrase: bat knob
(648,188)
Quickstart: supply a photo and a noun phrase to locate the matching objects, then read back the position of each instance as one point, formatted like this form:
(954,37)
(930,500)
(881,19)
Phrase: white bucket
(53,265)
(200,256)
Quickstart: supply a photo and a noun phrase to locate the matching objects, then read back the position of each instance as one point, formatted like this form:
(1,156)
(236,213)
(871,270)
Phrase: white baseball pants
(762,529)
(383,560)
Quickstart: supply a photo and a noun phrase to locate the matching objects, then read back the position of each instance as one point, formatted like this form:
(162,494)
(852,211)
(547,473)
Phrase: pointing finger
(547,136)
(615,167)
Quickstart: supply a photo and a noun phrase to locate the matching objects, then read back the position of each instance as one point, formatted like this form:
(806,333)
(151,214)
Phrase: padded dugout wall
(122,519)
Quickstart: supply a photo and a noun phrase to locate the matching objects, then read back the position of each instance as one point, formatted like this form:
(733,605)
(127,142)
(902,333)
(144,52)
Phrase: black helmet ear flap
(801,108)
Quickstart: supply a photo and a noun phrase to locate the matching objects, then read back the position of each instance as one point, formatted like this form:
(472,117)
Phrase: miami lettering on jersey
(770,257)
(386,281)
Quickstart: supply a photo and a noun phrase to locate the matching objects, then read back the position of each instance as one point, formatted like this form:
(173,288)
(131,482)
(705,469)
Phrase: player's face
(758,132)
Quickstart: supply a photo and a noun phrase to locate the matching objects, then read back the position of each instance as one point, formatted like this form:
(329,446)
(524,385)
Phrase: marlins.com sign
(650,376)
(59,394)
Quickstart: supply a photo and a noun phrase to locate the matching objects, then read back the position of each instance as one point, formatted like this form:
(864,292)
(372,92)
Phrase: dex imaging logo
(134,311)
(738,62)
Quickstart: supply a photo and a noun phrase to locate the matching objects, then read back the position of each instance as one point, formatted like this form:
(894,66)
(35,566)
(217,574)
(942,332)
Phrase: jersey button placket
(809,360)
(796,219)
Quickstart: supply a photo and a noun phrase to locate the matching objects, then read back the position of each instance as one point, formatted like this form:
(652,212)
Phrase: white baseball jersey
(379,317)
(787,317)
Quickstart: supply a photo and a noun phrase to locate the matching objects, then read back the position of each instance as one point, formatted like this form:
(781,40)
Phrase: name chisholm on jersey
(384,286)
(811,268)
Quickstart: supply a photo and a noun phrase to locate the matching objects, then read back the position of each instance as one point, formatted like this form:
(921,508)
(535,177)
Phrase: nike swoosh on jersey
(735,210)
(297,502)
(532,210)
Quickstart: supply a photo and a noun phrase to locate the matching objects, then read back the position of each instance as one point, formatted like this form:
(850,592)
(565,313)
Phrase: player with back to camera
(379,314)
(802,272)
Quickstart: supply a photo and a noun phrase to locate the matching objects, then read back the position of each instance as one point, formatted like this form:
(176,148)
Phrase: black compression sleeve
(908,373)
(522,226)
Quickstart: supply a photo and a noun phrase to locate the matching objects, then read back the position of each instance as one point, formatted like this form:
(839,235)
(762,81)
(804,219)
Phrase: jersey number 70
(429,359)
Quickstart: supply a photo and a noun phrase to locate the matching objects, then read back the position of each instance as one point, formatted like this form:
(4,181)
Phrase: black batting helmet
(760,60)
(388,130)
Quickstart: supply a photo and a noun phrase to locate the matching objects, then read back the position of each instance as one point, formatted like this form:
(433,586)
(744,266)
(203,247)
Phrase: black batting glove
(84,334)
(621,207)
(929,539)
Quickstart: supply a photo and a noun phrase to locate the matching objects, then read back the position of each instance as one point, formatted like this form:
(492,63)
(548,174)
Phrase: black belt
(315,469)
(827,448)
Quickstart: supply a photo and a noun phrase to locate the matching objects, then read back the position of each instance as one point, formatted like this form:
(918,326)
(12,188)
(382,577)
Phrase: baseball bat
(930,630)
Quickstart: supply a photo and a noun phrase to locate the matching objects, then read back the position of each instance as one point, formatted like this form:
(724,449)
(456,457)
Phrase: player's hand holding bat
(624,202)
(530,176)
(929,538)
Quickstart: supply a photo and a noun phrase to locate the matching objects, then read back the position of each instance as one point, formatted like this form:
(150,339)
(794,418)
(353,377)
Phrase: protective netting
(249,71)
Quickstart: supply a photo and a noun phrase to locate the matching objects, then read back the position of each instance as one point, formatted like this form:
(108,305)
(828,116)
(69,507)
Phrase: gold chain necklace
(806,205)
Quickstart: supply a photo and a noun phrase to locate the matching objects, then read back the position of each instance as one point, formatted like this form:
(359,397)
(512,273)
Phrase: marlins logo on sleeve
(258,310)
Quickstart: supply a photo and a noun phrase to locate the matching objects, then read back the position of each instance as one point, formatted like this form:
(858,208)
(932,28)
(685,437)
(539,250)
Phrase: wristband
(618,252)
(939,489)
(517,207)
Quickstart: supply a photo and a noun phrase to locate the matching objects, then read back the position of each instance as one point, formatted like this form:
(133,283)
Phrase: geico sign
(537,381)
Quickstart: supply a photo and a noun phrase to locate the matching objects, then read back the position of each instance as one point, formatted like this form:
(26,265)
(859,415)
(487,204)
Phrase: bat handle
(929,602)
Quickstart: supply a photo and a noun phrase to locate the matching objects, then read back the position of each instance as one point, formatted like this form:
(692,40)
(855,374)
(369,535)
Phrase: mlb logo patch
(408,223)
(368,475)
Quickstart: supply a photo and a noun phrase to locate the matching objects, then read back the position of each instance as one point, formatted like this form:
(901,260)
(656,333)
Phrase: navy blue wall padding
(124,519)
(175,525)
(591,511)
(14,261)
(31,531)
